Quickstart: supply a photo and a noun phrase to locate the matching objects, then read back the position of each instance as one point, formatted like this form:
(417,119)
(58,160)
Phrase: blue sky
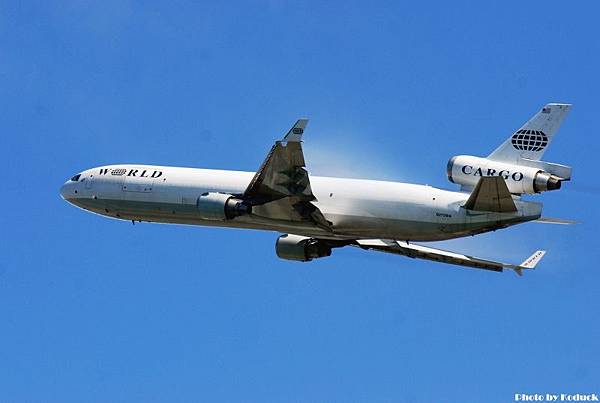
(93,309)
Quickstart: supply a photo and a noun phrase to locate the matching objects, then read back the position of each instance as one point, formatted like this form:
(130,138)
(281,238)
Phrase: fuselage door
(89,181)
(137,184)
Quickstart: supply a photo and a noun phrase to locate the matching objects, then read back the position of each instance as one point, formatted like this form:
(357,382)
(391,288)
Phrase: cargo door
(137,184)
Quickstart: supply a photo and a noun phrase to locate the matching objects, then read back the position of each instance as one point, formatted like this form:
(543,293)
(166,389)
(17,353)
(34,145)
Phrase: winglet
(295,133)
(530,262)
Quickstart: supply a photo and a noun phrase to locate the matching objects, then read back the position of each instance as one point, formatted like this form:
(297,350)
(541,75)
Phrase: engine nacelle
(301,248)
(221,206)
(466,170)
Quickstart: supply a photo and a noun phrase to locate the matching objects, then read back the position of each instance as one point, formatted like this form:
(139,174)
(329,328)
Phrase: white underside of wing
(444,256)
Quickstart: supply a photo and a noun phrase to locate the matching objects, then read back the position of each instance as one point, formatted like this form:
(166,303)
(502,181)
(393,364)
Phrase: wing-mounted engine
(525,177)
(301,248)
(221,206)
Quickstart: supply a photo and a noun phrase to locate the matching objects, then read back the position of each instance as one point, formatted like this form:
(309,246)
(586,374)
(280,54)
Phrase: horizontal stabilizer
(491,194)
(562,171)
(549,220)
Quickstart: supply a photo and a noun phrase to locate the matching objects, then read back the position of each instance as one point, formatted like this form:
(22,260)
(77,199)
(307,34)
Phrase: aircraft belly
(350,219)
(177,213)
(388,219)
(352,227)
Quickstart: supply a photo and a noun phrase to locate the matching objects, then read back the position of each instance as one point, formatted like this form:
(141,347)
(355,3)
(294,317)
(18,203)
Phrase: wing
(281,187)
(438,255)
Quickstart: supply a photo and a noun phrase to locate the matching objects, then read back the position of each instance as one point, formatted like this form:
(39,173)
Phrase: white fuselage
(357,208)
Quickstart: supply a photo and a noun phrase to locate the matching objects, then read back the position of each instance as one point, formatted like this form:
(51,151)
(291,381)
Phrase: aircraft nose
(63,190)
(67,190)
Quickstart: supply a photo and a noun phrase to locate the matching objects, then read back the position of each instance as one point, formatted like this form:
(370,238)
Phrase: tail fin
(534,137)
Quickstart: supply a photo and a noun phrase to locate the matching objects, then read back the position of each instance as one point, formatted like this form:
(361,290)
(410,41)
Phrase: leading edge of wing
(425,252)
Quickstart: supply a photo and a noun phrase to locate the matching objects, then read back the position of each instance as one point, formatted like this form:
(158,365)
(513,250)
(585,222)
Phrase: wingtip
(296,132)
(532,260)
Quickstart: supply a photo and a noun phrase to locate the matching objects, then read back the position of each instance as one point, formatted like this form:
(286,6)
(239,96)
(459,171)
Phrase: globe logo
(529,140)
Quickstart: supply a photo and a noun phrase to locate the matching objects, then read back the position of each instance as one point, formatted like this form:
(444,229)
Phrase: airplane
(317,214)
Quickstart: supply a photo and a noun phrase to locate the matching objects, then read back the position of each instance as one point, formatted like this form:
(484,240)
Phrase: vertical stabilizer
(534,137)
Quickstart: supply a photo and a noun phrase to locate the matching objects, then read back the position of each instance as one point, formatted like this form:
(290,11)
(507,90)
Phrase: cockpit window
(76,178)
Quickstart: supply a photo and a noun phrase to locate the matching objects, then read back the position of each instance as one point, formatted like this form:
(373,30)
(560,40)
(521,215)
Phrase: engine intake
(221,206)
(301,248)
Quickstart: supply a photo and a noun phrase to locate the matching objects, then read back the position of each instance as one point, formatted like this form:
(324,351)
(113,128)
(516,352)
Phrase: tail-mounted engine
(301,248)
(221,206)
(526,176)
